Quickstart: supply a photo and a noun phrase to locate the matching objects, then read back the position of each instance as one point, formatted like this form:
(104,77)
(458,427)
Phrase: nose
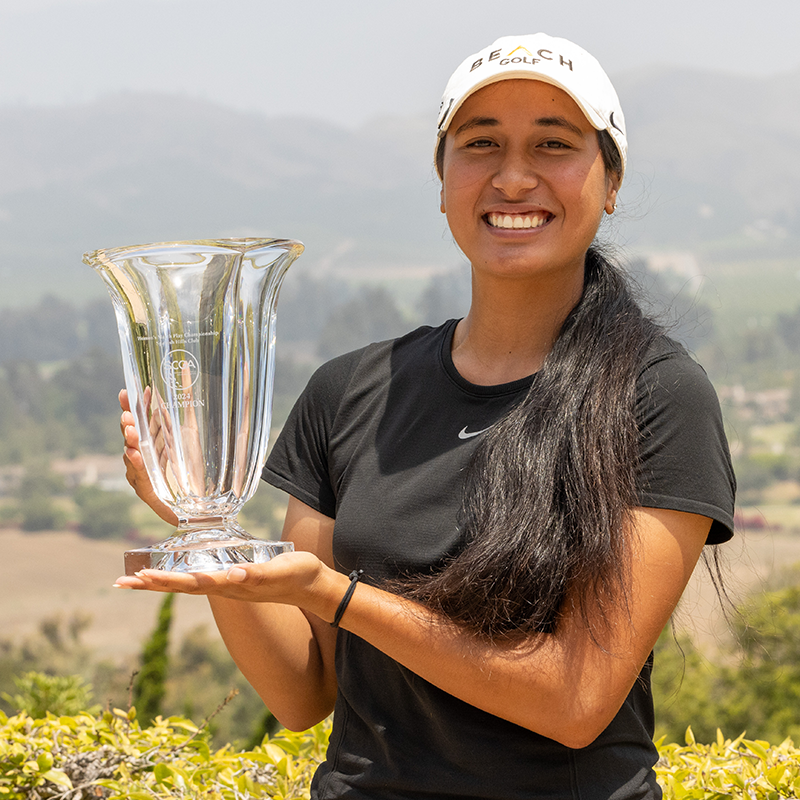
(516,174)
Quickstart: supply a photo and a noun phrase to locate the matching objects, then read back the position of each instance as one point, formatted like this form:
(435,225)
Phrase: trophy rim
(240,245)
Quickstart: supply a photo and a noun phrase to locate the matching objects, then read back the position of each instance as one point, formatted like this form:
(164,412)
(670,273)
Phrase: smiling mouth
(518,221)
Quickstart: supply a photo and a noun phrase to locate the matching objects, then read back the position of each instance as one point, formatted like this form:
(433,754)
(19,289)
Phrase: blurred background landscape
(327,152)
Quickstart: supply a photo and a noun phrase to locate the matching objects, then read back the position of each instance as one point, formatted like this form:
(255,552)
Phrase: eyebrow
(477,122)
(551,122)
(559,122)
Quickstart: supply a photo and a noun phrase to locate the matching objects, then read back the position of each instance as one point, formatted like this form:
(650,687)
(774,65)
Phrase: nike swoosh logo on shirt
(463,434)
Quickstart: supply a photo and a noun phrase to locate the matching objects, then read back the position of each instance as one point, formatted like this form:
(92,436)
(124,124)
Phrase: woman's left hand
(297,578)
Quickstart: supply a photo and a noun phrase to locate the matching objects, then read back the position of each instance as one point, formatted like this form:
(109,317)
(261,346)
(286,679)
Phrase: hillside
(713,168)
(721,152)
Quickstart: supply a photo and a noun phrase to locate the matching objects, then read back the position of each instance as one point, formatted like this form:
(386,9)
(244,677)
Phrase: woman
(498,515)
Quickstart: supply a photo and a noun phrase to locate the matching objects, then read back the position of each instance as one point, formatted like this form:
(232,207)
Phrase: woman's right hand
(135,471)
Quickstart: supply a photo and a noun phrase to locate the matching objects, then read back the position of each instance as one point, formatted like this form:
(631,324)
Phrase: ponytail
(548,495)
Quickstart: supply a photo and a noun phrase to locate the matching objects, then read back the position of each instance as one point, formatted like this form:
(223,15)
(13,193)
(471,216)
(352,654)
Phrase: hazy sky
(349,60)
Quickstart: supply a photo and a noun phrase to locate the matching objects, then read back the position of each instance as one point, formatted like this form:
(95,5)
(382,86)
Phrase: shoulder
(685,462)
(669,375)
(373,364)
(331,379)
(336,374)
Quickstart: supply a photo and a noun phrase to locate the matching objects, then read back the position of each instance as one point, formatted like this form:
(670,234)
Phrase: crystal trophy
(196,322)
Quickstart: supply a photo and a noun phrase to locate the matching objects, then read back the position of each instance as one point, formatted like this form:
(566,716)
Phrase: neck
(511,327)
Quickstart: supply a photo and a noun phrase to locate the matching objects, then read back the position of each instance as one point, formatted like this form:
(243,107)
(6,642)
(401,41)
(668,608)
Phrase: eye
(555,144)
(480,143)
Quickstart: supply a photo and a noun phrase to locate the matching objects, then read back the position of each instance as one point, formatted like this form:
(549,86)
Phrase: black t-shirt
(379,441)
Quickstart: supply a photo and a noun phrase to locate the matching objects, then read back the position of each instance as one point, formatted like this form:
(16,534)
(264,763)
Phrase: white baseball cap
(537,56)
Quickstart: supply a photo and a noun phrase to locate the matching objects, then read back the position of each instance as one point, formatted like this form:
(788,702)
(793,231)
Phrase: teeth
(517,221)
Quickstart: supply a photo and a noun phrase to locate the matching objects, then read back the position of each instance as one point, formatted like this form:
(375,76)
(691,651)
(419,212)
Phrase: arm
(567,686)
(287,655)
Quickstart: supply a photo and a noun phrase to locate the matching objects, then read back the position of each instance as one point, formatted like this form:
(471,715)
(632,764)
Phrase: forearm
(276,649)
(567,686)
(546,685)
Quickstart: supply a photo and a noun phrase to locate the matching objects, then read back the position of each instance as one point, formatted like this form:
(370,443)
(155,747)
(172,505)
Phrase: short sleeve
(298,463)
(685,463)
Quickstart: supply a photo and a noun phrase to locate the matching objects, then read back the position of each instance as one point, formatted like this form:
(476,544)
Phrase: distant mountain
(138,168)
(714,159)
(723,154)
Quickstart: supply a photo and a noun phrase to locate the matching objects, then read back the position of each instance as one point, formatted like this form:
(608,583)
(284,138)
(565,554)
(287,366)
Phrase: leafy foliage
(788,328)
(742,768)
(200,672)
(371,316)
(753,682)
(38,694)
(64,409)
(54,330)
(762,692)
(56,649)
(35,507)
(684,689)
(112,756)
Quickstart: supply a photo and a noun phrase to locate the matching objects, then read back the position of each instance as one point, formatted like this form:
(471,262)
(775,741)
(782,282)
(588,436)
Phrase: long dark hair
(549,492)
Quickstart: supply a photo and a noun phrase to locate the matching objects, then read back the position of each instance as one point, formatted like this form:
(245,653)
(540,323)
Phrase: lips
(518,221)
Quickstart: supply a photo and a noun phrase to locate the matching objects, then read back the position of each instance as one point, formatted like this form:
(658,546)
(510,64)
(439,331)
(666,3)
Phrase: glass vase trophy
(196,323)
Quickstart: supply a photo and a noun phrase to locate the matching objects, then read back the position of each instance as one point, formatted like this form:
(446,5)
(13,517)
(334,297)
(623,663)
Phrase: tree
(149,688)
(753,685)
(35,499)
(305,303)
(762,692)
(788,327)
(683,689)
(103,515)
(669,297)
(201,673)
(447,296)
(372,316)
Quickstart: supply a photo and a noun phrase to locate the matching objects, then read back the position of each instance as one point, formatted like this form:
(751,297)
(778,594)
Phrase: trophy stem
(204,545)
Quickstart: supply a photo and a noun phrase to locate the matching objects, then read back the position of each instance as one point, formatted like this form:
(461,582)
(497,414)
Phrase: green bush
(38,693)
(149,688)
(113,757)
(742,768)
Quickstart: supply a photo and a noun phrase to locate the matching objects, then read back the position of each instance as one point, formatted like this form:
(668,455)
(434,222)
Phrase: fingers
(127,424)
(158,580)
(193,583)
(129,433)
(237,575)
(287,578)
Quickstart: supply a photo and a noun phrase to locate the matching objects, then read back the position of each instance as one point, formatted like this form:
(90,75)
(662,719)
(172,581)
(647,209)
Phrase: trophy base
(203,550)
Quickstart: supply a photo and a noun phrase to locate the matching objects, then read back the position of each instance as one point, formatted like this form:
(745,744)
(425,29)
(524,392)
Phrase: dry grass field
(43,575)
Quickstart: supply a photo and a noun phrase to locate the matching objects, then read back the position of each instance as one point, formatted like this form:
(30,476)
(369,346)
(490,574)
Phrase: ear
(441,201)
(611,195)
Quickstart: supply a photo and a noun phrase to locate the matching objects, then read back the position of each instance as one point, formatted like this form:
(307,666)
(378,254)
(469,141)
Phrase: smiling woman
(524,185)
(493,519)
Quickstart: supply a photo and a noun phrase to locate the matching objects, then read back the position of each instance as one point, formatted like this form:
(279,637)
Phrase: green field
(750,293)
